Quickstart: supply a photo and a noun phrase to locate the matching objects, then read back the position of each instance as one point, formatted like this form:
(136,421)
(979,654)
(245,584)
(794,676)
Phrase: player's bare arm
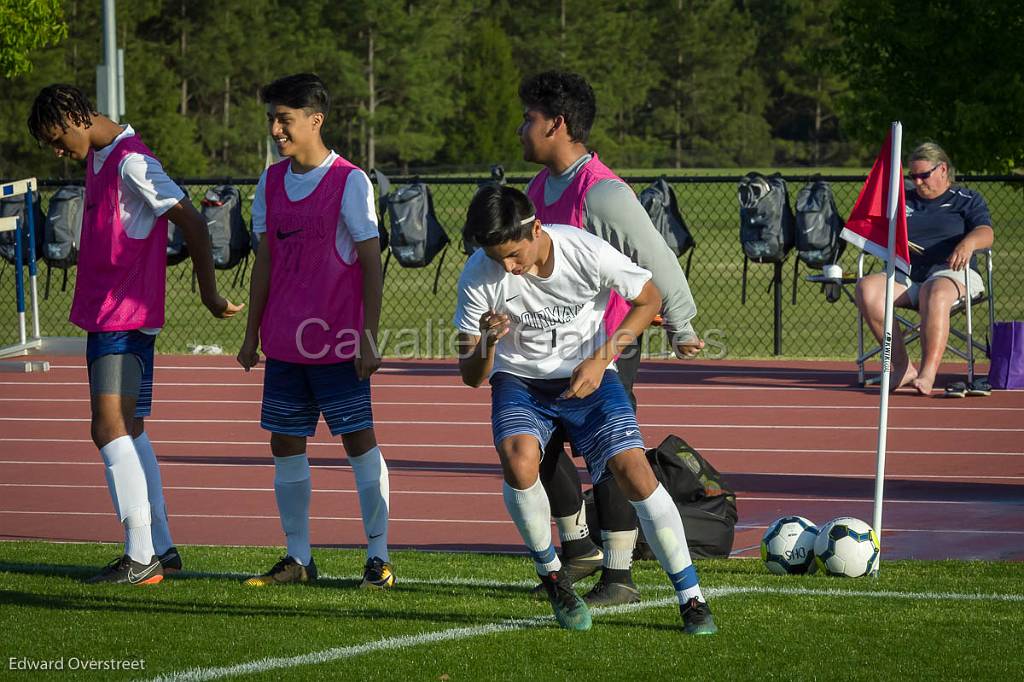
(368,359)
(249,356)
(476,353)
(193,229)
(586,378)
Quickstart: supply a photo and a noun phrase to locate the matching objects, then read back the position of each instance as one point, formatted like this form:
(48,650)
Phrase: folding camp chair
(911,329)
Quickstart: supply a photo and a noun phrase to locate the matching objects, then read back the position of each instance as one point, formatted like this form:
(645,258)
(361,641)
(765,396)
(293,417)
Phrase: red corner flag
(868,226)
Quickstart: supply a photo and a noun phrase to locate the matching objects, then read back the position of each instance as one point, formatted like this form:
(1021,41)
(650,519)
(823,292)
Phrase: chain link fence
(416,322)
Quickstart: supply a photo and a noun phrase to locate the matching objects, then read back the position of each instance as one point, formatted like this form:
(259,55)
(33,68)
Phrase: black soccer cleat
(125,570)
(171,561)
(697,618)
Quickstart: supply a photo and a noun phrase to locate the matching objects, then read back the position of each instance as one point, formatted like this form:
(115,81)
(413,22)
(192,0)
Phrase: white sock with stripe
(158,509)
(663,530)
(293,489)
(531,512)
(126,481)
(374,489)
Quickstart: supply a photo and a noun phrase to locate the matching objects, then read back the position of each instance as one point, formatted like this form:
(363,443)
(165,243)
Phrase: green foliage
(952,72)
(26,25)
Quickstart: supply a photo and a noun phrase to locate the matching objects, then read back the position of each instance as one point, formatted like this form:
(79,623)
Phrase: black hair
(565,94)
(498,214)
(299,91)
(58,105)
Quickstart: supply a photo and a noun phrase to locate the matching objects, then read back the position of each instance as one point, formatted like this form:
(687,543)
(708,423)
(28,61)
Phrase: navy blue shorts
(294,395)
(599,426)
(134,342)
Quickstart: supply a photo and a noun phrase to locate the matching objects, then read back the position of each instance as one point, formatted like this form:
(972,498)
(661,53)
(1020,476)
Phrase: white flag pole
(895,177)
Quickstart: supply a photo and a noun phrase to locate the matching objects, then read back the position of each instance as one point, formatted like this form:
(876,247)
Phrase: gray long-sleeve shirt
(613,213)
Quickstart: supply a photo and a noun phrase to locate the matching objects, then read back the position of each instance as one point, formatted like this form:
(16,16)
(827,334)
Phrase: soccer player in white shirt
(530,319)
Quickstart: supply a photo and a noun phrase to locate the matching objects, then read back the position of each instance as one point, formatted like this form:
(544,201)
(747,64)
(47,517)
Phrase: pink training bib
(568,210)
(121,281)
(314,312)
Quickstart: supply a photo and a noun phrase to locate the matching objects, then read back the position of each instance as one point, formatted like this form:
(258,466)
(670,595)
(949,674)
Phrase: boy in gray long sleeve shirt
(575,188)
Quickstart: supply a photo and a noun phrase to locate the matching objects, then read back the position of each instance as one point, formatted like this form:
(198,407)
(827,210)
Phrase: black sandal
(957,389)
(979,387)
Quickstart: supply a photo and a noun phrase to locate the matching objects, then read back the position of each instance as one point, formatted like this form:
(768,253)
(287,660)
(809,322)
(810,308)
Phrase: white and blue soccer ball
(788,546)
(846,547)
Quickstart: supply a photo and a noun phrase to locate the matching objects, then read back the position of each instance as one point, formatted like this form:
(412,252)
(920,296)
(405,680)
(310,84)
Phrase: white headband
(529,220)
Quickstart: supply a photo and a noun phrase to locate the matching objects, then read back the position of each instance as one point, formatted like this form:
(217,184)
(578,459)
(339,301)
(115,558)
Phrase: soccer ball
(788,546)
(846,547)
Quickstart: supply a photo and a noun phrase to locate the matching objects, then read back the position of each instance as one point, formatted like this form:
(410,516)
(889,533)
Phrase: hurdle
(26,343)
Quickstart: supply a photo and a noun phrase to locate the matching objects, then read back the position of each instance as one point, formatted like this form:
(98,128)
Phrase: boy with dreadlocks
(119,301)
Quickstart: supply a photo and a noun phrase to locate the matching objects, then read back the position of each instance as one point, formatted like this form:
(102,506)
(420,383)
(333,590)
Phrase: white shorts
(914,288)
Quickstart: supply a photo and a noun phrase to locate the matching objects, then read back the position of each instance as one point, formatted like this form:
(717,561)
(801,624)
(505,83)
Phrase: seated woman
(948,223)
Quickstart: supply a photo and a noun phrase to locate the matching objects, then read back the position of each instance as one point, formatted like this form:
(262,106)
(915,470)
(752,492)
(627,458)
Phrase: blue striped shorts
(294,395)
(599,426)
(134,342)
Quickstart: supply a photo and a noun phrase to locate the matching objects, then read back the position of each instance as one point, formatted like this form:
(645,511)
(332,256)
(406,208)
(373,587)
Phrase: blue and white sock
(158,509)
(126,481)
(531,512)
(663,530)
(374,489)
(293,489)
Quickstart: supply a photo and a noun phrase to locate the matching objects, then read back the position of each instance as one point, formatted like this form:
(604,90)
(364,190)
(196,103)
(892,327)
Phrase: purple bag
(1007,367)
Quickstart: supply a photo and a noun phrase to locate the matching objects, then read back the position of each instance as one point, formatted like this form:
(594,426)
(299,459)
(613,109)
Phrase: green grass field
(468,617)
(419,321)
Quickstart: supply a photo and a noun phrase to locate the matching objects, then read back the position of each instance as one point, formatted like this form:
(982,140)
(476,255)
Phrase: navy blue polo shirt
(938,225)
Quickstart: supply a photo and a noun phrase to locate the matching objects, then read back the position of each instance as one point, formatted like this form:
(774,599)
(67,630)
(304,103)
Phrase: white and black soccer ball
(846,547)
(788,546)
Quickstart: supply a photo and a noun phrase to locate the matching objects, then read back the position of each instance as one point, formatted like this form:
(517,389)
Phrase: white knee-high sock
(293,489)
(531,512)
(618,548)
(154,485)
(374,489)
(126,481)
(663,530)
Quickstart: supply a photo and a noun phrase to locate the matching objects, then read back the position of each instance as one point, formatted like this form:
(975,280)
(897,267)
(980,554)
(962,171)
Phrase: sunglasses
(925,175)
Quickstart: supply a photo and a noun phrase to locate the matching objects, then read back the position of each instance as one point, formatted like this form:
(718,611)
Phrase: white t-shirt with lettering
(357,220)
(556,322)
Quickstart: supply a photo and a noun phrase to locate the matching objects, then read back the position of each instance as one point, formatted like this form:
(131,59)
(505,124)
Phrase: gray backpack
(62,232)
(416,235)
(222,210)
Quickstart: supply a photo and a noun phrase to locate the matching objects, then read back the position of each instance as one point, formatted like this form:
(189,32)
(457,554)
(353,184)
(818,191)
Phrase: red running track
(790,437)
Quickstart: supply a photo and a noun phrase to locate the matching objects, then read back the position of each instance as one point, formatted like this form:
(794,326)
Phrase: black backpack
(766,220)
(767,224)
(706,503)
(177,250)
(659,200)
(16,207)
(222,210)
(416,235)
(62,232)
(818,225)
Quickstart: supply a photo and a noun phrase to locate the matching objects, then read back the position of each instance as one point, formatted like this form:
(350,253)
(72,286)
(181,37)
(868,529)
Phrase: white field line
(450,368)
(471,522)
(462,387)
(496,469)
(495,493)
(478,446)
(264,665)
(702,406)
(679,425)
